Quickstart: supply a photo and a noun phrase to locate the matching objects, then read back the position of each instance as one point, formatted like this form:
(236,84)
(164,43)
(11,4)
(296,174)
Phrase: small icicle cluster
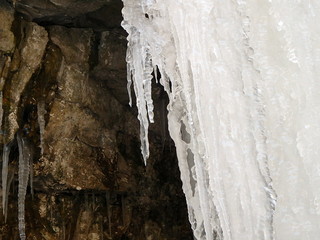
(25,171)
(140,66)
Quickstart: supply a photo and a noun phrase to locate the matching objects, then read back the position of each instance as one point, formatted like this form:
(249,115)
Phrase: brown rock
(26,60)
(6,36)
(67,89)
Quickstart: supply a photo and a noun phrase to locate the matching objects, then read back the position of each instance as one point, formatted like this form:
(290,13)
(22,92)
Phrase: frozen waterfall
(243,81)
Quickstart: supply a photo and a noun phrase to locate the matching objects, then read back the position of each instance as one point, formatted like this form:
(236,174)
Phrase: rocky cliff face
(63,88)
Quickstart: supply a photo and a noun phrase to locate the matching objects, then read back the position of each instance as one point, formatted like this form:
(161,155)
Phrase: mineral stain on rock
(63,82)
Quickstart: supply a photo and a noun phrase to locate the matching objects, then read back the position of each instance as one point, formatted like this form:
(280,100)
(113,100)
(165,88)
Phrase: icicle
(51,209)
(155,72)
(147,82)
(140,68)
(31,174)
(1,109)
(93,202)
(10,180)
(86,202)
(5,169)
(63,221)
(24,160)
(129,77)
(41,121)
(123,209)
(109,213)
(63,229)
(101,228)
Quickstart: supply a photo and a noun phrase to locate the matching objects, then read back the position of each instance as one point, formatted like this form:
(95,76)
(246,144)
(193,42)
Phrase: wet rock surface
(63,87)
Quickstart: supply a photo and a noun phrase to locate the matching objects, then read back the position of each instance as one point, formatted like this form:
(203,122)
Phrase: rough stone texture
(89,178)
(6,36)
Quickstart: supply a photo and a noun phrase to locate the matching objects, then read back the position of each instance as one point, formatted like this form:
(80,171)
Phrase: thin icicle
(1,109)
(109,213)
(86,202)
(31,173)
(10,179)
(63,229)
(41,121)
(129,78)
(101,228)
(147,82)
(5,169)
(93,202)
(155,72)
(123,209)
(24,160)
(63,220)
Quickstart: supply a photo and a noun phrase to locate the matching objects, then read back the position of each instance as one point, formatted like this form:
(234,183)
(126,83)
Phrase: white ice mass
(242,78)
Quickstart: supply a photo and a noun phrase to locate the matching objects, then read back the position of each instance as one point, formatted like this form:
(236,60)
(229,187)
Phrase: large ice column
(243,109)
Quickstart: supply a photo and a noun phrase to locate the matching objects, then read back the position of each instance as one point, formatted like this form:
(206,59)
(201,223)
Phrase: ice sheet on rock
(206,96)
(242,80)
(287,55)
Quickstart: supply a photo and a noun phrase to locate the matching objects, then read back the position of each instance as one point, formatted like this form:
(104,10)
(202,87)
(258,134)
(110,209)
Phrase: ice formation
(30,156)
(5,182)
(109,214)
(24,171)
(41,110)
(1,108)
(241,76)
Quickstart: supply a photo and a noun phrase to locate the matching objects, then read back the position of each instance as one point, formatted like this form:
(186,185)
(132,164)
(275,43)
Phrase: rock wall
(63,84)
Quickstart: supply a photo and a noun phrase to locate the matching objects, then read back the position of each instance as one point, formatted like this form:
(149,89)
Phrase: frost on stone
(242,81)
